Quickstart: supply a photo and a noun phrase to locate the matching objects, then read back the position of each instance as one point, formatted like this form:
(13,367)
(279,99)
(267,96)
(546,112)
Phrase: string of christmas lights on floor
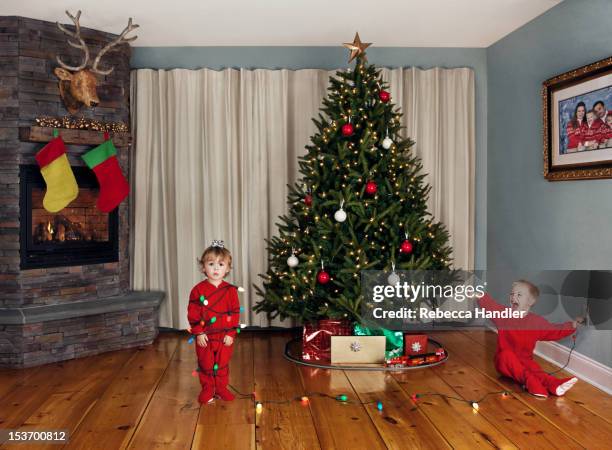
(343,398)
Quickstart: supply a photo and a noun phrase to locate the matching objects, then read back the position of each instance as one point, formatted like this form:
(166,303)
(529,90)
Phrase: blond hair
(212,253)
(532,288)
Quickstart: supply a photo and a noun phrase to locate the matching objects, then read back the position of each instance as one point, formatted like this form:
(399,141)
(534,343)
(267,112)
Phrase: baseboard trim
(585,368)
(582,366)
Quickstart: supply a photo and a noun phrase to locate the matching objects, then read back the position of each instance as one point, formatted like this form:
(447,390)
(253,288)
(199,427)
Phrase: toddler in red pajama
(517,337)
(214,316)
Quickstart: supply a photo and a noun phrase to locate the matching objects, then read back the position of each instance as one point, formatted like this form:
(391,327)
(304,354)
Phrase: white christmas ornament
(340,215)
(293,261)
(387,143)
(416,347)
(394,277)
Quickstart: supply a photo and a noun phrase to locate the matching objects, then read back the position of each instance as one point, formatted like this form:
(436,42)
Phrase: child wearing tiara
(214,316)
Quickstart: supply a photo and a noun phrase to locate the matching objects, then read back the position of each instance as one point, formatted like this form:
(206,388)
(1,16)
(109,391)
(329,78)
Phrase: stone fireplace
(64,277)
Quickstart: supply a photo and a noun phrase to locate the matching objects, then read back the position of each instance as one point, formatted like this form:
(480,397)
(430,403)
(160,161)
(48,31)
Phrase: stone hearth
(50,314)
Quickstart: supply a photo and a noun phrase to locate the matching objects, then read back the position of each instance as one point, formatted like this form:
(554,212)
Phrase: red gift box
(415,344)
(316,338)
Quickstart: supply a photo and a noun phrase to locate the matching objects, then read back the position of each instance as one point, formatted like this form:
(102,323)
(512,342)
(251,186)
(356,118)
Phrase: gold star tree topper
(357,47)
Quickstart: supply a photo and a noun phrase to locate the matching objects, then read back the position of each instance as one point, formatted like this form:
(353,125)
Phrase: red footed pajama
(214,311)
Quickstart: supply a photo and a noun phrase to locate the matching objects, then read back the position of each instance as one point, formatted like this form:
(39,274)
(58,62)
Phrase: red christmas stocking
(113,185)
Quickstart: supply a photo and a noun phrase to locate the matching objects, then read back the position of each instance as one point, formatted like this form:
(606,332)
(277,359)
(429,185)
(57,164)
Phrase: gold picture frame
(573,87)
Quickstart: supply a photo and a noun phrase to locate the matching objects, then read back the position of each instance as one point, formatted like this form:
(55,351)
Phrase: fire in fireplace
(79,234)
(80,221)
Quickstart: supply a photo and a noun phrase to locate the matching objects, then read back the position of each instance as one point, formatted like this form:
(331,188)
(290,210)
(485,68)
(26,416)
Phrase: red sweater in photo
(575,134)
(593,132)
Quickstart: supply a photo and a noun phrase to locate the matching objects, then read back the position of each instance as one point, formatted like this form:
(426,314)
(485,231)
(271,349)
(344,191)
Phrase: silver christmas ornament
(387,143)
(340,215)
(293,261)
(393,279)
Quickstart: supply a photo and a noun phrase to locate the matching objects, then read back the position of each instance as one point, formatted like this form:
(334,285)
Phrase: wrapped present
(415,344)
(357,349)
(316,338)
(394,339)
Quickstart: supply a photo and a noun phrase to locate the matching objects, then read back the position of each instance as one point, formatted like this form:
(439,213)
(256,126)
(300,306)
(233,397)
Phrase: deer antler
(80,44)
(120,40)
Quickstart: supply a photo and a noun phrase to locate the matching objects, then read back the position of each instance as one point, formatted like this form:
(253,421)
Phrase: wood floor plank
(577,423)
(461,428)
(235,419)
(148,398)
(112,421)
(171,416)
(27,397)
(509,415)
(339,425)
(400,424)
(69,402)
(287,425)
(583,393)
(12,379)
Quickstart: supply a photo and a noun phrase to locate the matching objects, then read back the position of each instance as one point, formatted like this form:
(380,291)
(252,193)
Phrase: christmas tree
(360,205)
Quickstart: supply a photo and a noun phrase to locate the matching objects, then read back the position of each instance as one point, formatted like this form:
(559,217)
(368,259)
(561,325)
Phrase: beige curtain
(214,151)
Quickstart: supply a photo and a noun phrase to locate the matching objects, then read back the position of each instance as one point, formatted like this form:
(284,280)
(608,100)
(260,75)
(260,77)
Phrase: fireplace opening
(78,234)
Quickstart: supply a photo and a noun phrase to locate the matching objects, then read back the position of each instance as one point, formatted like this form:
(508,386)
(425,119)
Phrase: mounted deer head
(78,83)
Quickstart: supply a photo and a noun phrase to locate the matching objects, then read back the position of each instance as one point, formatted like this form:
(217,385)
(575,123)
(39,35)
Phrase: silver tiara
(217,243)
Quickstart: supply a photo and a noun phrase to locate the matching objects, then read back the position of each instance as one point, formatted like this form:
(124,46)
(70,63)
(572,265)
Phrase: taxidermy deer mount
(78,83)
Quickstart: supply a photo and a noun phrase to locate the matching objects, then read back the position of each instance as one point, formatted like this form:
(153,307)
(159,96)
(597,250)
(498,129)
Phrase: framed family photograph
(577,110)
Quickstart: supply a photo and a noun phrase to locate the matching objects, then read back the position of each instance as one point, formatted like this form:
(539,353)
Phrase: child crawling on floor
(517,337)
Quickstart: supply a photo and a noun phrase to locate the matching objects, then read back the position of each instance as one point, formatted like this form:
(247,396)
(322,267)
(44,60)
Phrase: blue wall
(330,58)
(533,223)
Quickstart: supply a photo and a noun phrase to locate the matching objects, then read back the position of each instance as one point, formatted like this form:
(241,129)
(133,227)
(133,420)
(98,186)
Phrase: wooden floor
(147,398)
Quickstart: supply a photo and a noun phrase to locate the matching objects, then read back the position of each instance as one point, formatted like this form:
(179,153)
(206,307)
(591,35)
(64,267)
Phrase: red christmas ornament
(323,277)
(308,200)
(371,187)
(406,247)
(384,96)
(347,129)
